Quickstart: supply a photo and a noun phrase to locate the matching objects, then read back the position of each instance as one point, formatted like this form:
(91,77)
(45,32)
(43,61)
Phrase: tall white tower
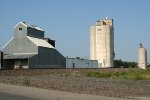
(102,42)
(142,59)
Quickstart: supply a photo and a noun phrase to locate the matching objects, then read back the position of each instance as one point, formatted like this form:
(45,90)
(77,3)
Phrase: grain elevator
(102,42)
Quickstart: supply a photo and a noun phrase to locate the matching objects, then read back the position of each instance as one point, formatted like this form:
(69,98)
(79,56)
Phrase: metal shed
(29,49)
(81,63)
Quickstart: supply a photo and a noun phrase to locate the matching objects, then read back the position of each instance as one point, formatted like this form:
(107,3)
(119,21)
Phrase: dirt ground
(74,80)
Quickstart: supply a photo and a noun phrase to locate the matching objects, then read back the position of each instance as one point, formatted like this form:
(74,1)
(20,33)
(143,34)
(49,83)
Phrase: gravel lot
(75,81)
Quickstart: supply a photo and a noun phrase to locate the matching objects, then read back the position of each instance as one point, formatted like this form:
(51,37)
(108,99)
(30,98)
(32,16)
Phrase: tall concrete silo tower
(102,42)
(142,57)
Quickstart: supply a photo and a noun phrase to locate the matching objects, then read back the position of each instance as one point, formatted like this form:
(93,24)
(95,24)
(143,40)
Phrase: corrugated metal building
(81,63)
(29,49)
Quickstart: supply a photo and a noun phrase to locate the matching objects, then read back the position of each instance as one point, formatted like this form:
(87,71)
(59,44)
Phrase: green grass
(137,74)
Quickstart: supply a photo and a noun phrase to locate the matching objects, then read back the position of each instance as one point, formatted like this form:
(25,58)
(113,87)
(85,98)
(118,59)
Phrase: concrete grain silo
(142,57)
(102,42)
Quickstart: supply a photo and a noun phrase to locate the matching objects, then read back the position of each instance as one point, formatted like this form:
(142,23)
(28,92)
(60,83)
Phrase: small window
(20,29)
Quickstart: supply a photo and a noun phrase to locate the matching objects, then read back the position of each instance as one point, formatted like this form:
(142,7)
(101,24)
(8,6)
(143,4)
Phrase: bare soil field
(75,80)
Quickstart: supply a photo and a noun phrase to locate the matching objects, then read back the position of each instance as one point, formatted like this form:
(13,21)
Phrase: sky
(68,22)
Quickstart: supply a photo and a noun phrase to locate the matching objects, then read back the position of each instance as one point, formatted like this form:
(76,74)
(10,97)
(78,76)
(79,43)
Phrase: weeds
(26,82)
(138,74)
(65,75)
(98,74)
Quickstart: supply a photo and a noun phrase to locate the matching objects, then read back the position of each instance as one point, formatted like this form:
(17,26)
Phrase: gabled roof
(40,42)
(27,25)
(22,24)
(8,42)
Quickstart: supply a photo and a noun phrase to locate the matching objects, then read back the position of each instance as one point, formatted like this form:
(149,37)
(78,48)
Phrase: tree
(124,64)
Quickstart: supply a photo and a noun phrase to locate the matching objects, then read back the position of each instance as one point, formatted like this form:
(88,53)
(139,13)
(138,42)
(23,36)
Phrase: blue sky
(68,22)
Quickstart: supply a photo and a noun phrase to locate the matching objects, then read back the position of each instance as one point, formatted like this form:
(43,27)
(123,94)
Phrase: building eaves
(27,25)
(8,42)
(19,56)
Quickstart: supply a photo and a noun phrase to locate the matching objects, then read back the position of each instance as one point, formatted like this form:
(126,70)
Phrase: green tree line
(124,64)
